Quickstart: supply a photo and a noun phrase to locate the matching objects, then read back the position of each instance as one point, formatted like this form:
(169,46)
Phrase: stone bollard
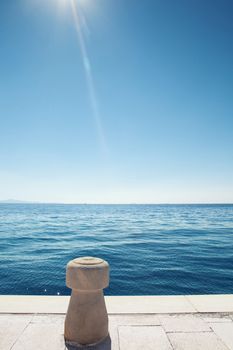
(86,321)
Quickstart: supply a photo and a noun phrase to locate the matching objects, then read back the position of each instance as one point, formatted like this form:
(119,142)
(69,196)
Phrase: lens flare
(62,9)
(88,74)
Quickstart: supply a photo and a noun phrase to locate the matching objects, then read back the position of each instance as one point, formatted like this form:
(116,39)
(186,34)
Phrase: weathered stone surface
(121,304)
(185,323)
(139,337)
(196,341)
(113,332)
(225,332)
(40,332)
(86,320)
(40,336)
(11,327)
(134,320)
(149,305)
(30,304)
(87,273)
(49,319)
(219,318)
(212,303)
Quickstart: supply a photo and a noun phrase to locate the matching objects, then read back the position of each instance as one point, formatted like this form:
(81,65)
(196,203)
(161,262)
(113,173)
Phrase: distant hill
(13,201)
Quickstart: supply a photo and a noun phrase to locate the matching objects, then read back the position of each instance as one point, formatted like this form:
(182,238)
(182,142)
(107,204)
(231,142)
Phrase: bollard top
(88,260)
(87,274)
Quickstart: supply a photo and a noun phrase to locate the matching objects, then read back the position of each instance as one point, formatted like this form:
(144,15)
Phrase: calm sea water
(152,249)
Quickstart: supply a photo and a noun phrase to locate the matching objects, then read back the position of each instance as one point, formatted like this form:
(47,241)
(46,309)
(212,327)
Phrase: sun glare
(76,11)
(62,8)
(65,3)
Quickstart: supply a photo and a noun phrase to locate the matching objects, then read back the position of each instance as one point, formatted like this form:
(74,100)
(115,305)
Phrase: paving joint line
(189,301)
(21,333)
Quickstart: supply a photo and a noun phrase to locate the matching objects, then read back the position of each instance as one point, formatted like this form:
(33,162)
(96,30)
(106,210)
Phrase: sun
(62,8)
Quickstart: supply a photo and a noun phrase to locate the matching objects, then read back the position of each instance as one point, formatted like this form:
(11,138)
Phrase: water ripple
(152,249)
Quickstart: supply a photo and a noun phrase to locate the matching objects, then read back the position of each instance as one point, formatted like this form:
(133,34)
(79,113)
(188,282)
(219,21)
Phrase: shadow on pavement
(106,344)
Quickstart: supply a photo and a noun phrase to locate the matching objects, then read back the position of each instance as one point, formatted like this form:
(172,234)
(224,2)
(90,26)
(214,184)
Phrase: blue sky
(157,125)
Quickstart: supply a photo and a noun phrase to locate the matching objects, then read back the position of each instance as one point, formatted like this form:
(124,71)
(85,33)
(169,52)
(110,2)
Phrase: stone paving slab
(212,303)
(113,330)
(11,327)
(27,304)
(41,336)
(184,323)
(149,304)
(196,341)
(121,304)
(143,337)
(225,332)
(128,332)
(134,320)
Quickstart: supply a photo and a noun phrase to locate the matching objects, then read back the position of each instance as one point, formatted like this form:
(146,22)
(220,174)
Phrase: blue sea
(152,249)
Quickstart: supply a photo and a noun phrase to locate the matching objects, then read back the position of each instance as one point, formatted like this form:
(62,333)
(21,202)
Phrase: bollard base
(104,344)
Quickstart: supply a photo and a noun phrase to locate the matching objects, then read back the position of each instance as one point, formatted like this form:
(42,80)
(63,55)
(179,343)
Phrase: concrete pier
(203,322)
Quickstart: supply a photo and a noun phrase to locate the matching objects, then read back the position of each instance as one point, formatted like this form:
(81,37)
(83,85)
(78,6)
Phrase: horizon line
(11,201)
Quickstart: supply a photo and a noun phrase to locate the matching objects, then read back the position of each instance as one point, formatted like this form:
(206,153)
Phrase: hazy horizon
(18,201)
